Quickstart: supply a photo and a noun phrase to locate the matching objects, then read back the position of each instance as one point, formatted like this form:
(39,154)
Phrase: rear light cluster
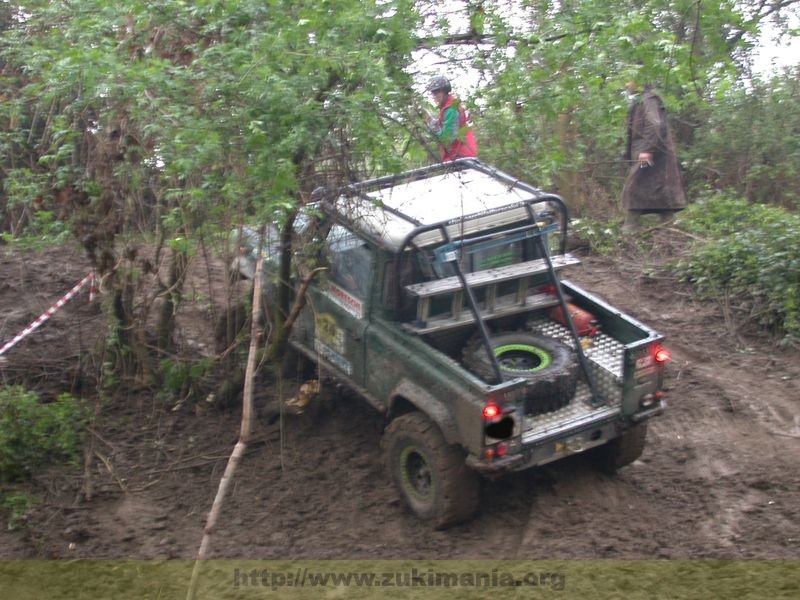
(491,411)
(496,451)
(650,400)
(498,425)
(662,355)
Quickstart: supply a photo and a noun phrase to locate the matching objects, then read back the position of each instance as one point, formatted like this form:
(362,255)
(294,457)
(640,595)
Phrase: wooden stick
(88,488)
(300,302)
(111,470)
(244,435)
(245,431)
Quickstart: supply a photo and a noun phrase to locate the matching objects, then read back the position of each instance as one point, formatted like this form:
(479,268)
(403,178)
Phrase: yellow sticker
(329,332)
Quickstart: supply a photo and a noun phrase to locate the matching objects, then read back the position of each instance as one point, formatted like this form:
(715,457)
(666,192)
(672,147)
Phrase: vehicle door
(340,303)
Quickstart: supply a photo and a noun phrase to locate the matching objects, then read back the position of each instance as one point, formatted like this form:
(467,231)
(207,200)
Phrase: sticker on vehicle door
(333,357)
(345,300)
(329,332)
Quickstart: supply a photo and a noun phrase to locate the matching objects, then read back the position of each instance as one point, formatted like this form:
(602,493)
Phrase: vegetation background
(148,131)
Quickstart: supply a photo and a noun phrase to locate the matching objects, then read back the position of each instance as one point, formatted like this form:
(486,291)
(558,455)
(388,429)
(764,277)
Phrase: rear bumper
(566,443)
(496,467)
(547,451)
(650,412)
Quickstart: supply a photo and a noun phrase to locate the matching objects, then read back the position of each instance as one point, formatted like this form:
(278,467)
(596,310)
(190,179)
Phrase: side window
(350,261)
(400,272)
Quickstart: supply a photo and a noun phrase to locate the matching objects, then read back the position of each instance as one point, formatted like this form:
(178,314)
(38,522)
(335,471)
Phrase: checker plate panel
(606,358)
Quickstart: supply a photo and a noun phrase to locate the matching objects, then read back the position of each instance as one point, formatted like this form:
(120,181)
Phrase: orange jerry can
(585,322)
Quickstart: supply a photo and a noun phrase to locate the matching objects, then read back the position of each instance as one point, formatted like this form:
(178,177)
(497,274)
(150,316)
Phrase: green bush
(180,377)
(749,142)
(17,506)
(751,256)
(34,434)
(603,237)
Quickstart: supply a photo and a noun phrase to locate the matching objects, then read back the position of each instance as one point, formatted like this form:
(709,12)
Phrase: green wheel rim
(522,358)
(416,472)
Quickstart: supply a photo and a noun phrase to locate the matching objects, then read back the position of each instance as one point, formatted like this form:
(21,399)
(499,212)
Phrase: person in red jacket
(453,127)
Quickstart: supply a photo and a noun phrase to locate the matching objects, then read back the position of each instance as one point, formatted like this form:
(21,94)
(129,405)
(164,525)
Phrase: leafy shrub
(751,254)
(43,229)
(749,141)
(182,377)
(35,433)
(602,237)
(17,506)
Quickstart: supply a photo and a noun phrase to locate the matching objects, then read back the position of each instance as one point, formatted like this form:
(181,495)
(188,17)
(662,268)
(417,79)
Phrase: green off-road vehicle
(442,306)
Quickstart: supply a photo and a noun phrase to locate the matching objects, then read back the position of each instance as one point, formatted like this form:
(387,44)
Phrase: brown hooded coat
(660,186)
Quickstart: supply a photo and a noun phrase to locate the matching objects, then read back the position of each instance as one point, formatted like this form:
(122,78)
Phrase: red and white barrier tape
(89,279)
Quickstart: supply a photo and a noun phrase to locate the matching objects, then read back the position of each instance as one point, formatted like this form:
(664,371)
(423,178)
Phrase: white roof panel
(449,196)
(468,199)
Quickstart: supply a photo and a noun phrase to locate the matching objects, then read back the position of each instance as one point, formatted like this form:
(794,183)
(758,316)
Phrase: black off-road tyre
(429,473)
(621,451)
(550,367)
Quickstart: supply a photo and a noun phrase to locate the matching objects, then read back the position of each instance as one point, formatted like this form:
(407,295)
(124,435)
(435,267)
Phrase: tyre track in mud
(718,477)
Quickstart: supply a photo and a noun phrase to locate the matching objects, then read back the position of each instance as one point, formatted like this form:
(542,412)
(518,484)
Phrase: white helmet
(439,82)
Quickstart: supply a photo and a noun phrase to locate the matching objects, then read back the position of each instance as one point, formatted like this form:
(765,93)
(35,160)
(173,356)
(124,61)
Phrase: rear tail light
(496,451)
(662,355)
(499,424)
(491,411)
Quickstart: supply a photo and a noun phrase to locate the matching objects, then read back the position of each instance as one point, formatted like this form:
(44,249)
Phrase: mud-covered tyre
(550,367)
(429,473)
(622,450)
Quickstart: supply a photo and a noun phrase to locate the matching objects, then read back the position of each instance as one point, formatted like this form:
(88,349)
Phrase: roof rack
(465,196)
(407,210)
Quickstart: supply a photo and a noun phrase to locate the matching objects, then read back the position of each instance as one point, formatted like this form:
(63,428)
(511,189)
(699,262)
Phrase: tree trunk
(126,340)
(172,298)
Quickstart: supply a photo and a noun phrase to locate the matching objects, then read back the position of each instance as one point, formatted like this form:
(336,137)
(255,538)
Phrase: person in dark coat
(654,183)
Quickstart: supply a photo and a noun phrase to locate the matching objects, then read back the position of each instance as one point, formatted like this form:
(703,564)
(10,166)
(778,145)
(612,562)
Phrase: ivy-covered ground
(718,479)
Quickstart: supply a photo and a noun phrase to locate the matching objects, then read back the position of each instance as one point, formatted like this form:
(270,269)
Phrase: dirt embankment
(718,479)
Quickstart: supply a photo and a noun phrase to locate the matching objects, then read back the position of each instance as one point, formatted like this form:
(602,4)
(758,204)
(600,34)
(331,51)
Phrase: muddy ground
(718,479)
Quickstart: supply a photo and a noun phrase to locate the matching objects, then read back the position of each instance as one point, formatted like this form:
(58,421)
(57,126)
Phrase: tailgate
(620,360)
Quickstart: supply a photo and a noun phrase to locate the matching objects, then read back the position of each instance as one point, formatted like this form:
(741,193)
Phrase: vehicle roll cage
(534,228)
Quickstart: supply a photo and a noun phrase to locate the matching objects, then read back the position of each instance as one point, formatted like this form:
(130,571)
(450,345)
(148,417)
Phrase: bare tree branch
(244,434)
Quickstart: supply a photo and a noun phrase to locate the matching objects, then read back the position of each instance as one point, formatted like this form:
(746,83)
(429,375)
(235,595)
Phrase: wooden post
(245,432)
